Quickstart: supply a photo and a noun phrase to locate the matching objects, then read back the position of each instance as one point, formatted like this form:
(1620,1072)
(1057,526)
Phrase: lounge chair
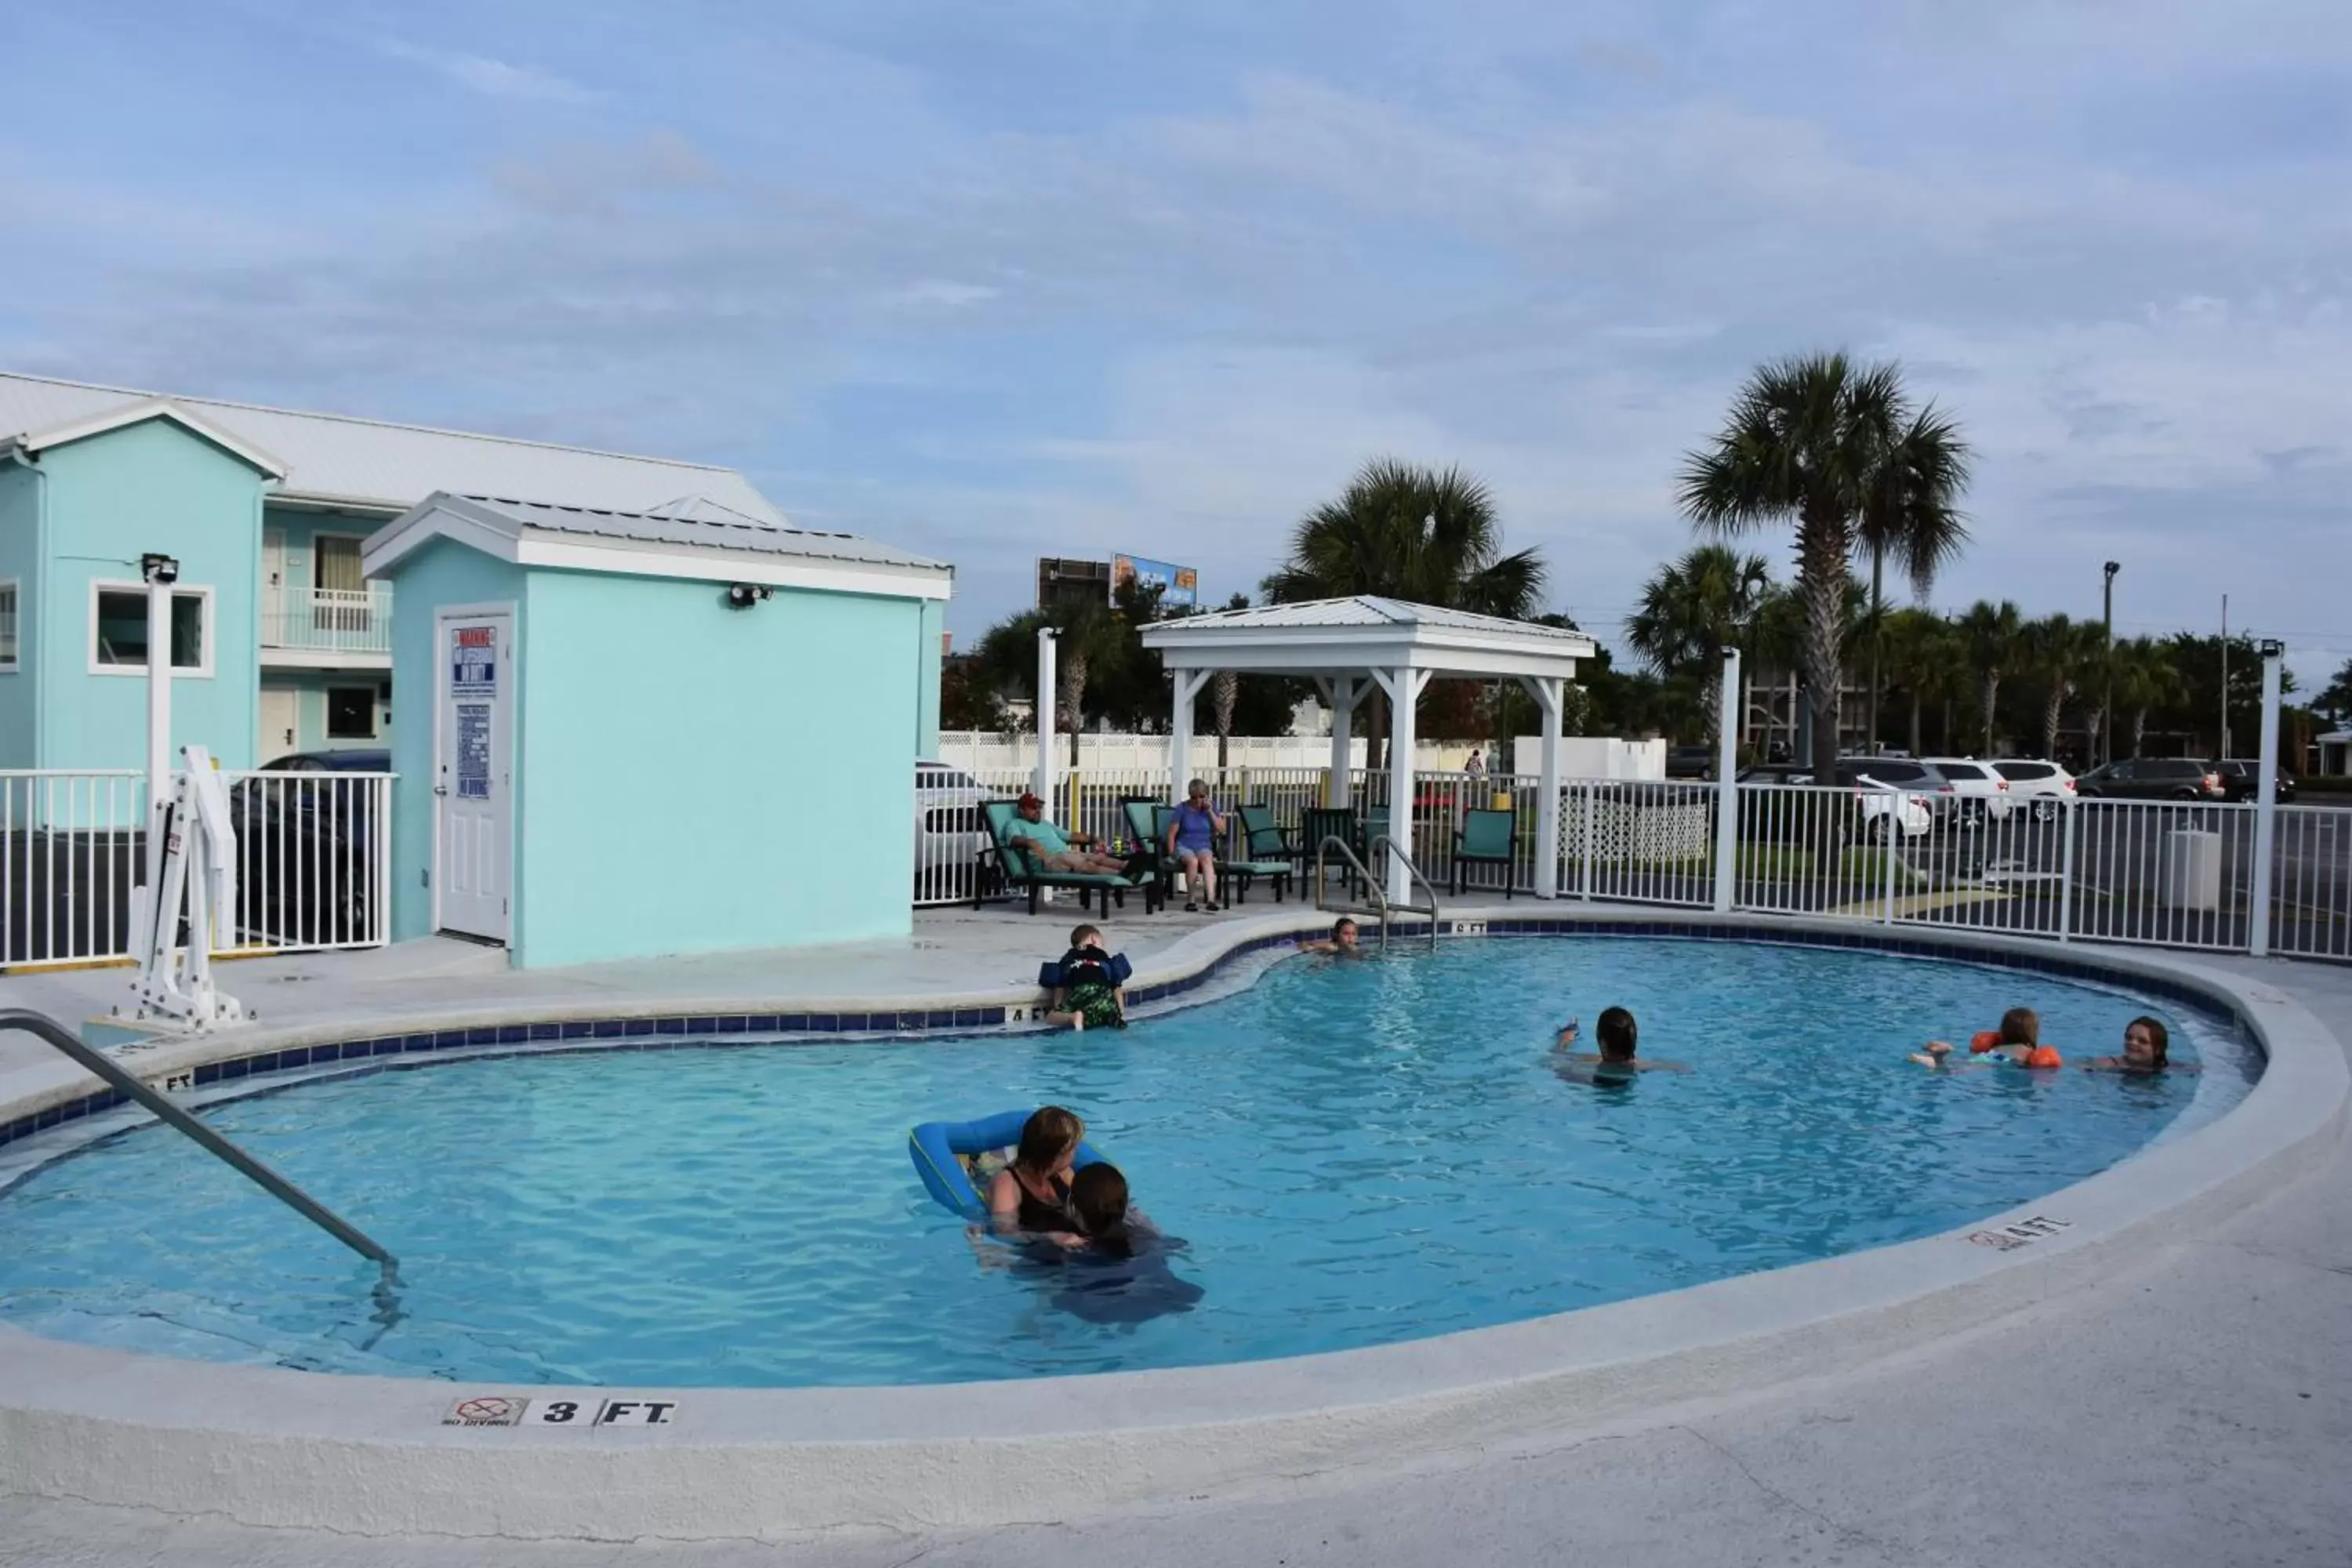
(1486,838)
(1016,868)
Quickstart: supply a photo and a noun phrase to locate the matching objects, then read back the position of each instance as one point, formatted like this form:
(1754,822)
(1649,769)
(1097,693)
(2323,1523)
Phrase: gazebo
(1349,646)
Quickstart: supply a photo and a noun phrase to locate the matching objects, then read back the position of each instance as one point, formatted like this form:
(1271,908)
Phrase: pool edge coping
(365,1453)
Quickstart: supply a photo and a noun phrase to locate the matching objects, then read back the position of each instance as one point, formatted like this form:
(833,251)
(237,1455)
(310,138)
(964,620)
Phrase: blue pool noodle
(935,1145)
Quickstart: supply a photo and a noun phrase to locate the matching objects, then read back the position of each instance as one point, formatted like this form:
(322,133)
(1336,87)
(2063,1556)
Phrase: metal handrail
(1371,885)
(46,1028)
(1413,871)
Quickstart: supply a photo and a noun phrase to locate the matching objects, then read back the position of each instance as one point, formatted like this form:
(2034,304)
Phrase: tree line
(1833,450)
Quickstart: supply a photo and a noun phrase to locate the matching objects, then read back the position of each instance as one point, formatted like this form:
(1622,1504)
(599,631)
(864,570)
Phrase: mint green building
(637,733)
(794,720)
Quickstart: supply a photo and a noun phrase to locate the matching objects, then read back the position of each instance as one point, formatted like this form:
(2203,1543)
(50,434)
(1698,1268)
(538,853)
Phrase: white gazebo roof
(1351,636)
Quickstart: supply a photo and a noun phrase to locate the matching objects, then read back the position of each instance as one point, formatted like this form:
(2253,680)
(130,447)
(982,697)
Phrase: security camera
(743,595)
(159,569)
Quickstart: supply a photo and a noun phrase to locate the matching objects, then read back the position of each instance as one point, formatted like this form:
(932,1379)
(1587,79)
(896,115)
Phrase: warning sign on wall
(486,1410)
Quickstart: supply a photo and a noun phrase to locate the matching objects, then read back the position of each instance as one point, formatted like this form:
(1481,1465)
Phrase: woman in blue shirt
(1193,835)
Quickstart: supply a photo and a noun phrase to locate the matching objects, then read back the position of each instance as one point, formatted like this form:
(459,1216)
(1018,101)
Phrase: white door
(273,593)
(281,716)
(474,771)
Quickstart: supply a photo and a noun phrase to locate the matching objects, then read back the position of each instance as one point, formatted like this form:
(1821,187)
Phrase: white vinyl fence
(314,853)
(2163,873)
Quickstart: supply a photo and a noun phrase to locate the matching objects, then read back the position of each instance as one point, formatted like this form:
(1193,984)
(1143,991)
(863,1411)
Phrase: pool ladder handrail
(1380,905)
(41,1026)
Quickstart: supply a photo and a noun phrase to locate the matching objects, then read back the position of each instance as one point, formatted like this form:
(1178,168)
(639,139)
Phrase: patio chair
(1015,868)
(1486,838)
(1317,823)
(1147,825)
(1263,850)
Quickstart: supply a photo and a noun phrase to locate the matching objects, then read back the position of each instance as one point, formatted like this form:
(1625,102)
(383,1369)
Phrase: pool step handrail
(1380,905)
(42,1026)
(1413,873)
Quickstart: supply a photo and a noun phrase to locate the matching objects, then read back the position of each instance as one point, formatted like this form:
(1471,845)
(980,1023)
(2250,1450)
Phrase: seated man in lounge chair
(1054,849)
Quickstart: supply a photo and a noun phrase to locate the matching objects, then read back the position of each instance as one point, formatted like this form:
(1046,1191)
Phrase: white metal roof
(127,414)
(335,459)
(705,545)
(1326,636)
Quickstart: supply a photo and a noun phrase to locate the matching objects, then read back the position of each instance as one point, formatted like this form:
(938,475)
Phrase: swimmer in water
(2017,1042)
(2148,1050)
(1342,940)
(1617,1061)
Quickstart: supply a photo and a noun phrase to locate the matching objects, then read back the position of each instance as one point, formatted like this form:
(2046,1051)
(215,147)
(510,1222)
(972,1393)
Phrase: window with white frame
(118,629)
(8,623)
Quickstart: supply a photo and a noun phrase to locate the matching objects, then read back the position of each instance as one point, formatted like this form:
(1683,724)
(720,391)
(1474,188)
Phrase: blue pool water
(1356,1152)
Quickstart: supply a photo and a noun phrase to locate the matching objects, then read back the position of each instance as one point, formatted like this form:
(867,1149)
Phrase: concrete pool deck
(2146,1405)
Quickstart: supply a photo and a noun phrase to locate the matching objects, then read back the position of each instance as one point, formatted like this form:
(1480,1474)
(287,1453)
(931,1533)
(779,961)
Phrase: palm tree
(2061,652)
(1418,534)
(2145,678)
(1692,609)
(1091,640)
(1908,515)
(1813,440)
(1929,661)
(1989,631)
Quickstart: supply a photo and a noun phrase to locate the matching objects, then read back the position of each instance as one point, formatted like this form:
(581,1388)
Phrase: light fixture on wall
(743,595)
(155,568)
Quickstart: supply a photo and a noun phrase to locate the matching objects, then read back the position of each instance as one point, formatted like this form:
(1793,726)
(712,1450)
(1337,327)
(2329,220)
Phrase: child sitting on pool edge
(1088,997)
(1618,1059)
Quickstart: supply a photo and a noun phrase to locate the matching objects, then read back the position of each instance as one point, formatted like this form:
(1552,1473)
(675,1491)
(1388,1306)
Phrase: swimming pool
(1357,1153)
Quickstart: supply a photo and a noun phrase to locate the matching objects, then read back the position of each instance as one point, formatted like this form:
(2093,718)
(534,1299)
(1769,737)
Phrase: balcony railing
(328,620)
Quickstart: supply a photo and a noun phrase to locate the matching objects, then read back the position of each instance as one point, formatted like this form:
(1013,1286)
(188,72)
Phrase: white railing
(2162,873)
(328,620)
(314,861)
(2311,882)
(71,848)
(314,856)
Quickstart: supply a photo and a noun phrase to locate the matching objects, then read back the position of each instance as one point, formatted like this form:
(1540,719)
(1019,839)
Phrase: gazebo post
(1339,691)
(1188,684)
(1546,691)
(1403,685)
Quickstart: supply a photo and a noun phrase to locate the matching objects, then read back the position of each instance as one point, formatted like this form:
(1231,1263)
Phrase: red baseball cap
(1029,798)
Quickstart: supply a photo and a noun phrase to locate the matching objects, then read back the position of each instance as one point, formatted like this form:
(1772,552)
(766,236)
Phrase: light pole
(2107,660)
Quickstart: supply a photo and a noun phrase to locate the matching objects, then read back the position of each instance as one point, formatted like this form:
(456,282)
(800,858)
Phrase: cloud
(1164,286)
(493,79)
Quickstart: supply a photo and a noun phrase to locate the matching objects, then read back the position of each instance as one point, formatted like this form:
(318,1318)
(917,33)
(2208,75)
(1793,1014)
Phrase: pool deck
(2190,1403)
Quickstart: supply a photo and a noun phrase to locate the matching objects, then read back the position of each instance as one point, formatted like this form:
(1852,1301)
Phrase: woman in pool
(1033,1193)
(1617,1061)
(2147,1048)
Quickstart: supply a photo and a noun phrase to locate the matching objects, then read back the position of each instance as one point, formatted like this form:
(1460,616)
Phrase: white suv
(1980,793)
(2045,787)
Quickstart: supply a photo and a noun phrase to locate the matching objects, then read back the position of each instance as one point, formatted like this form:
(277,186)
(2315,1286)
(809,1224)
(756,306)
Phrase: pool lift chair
(1378,904)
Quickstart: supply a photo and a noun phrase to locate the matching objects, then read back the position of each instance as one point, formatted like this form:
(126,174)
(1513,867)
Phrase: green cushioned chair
(1016,869)
(1486,838)
(1317,823)
(1261,849)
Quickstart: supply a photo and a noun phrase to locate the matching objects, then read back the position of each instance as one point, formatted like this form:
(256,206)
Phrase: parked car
(1934,791)
(1690,762)
(2153,778)
(2240,781)
(1873,809)
(306,863)
(949,832)
(1982,794)
(2045,787)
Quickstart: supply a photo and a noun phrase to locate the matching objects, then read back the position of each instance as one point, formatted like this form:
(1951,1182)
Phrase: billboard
(1179,586)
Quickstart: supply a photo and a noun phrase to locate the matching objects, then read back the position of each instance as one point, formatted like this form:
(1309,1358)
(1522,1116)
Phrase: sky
(1045,277)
